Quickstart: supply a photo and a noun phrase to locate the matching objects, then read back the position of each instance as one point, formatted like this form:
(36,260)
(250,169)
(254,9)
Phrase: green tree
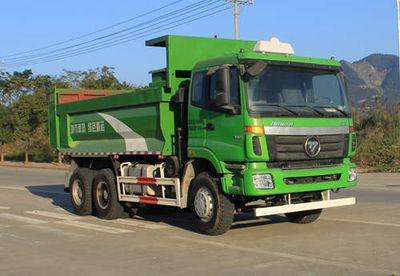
(43,86)
(6,129)
(30,114)
(102,78)
(25,122)
(13,86)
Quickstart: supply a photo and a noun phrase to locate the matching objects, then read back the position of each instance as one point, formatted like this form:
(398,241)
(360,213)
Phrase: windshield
(301,92)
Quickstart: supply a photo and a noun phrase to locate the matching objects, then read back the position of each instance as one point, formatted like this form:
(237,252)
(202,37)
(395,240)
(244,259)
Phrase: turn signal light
(254,129)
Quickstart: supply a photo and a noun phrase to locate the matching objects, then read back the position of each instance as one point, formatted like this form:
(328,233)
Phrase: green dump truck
(228,126)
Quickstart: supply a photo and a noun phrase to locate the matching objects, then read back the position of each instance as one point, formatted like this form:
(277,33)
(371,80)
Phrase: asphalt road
(40,236)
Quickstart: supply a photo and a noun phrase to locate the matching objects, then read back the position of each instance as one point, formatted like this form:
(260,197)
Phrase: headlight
(263,181)
(352,175)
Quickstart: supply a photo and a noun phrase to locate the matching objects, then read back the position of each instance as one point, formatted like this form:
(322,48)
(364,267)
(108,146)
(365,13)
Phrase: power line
(94,32)
(100,47)
(116,36)
(111,43)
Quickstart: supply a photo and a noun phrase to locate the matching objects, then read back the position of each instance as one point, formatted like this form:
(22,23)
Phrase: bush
(379,138)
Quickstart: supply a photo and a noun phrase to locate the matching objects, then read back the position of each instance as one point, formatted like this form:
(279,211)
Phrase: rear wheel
(105,197)
(80,186)
(213,211)
(304,217)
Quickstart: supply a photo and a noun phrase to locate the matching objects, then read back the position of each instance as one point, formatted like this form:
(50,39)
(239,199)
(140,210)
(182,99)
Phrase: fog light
(263,181)
(352,175)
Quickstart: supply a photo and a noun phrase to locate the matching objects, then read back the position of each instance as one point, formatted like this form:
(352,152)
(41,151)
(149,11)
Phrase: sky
(345,29)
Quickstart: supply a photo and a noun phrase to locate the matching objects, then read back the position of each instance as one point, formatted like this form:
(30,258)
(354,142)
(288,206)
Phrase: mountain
(374,75)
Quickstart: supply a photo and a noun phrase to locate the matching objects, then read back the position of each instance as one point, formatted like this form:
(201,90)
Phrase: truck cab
(273,122)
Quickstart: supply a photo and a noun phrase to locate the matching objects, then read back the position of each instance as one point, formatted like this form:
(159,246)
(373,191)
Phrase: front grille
(311,179)
(305,164)
(291,147)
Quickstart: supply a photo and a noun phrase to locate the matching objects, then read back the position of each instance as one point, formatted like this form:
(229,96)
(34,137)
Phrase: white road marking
(53,215)
(94,227)
(32,190)
(13,188)
(22,219)
(4,208)
(56,231)
(363,221)
(275,253)
(21,239)
(137,223)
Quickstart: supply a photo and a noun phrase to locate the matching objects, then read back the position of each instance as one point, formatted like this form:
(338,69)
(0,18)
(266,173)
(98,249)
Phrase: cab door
(212,127)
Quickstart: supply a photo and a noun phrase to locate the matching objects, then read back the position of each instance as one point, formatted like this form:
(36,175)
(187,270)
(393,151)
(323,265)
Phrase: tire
(80,190)
(105,199)
(131,209)
(213,211)
(304,217)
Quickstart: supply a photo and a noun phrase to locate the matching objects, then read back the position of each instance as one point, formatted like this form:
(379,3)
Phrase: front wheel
(213,211)
(304,217)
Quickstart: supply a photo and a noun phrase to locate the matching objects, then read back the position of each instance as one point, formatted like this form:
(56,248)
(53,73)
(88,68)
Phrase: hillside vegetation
(378,133)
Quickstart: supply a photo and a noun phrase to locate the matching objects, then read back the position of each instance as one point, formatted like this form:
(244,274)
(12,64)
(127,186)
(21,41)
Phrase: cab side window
(234,83)
(204,89)
(199,91)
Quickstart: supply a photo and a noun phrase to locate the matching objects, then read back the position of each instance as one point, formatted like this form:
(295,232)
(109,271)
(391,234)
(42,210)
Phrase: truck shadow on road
(55,193)
(174,217)
(184,219)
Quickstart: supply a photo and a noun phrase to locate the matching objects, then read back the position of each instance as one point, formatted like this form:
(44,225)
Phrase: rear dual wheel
(80,186)
(105,197)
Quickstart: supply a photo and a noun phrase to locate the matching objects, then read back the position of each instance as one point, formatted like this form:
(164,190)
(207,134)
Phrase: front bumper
(243,183)
(290,208)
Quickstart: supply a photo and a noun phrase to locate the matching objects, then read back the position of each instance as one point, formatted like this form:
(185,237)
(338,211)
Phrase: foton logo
(312,147)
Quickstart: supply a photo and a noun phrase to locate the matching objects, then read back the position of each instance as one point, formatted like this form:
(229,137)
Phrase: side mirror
(222,86)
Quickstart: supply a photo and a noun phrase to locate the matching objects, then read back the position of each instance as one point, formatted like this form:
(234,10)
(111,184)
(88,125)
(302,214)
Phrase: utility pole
(236,12)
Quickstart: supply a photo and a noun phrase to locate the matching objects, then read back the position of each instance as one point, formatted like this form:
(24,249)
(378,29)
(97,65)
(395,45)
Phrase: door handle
(210,126)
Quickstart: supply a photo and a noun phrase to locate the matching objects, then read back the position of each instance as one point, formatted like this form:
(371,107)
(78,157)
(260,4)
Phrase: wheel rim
(102,195)
(204,204)
(77,192)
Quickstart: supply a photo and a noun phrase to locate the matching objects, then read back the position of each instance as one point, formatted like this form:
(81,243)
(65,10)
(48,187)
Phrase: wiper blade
(285,108)
(312,108)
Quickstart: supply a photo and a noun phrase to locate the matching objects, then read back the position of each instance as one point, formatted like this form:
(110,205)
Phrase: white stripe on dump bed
(277,130)
(132,139)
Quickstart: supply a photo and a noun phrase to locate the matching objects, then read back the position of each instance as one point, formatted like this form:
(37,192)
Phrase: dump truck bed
(102,122)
